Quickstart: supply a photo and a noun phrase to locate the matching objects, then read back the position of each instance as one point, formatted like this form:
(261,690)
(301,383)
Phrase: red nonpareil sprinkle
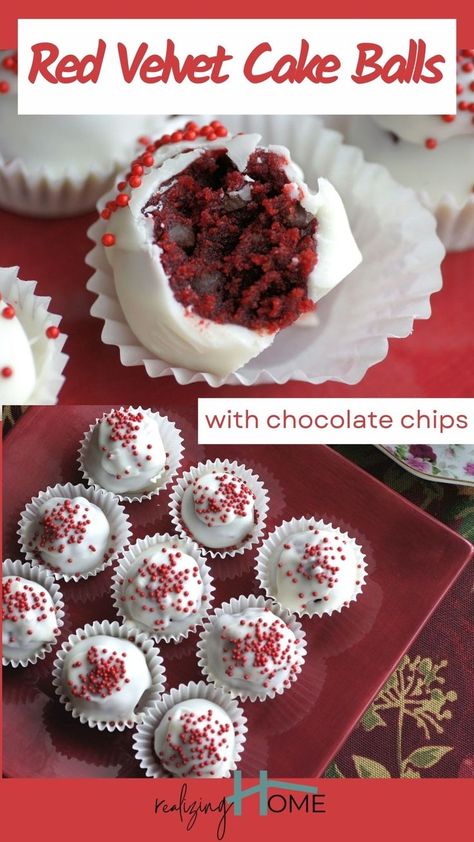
(431,143)
(448,118)
(20,602)
(52,332)
(104,676)
(4,87)
(122,200)
(198,745)
(124,425)
(108,239)
(231,497)
(317,562)
(65,523)
(267,648)
(162,586)
(9,312)
(133,178)
(7,371)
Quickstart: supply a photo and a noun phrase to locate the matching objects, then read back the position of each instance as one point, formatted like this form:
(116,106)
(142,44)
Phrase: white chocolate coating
(436,173)
(163,590)
(195,739)
(29,618)
(398,142)
(105,677)
(164,326)
(70,535)
(218,510)
(316,571)
(253,651)
(127,454)
(61,145)
(17,366)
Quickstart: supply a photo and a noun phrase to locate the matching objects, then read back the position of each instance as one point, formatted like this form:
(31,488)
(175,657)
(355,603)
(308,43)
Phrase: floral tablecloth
(421,724)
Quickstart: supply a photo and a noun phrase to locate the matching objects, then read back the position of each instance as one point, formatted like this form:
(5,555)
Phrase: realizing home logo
(292,798)
(312,800)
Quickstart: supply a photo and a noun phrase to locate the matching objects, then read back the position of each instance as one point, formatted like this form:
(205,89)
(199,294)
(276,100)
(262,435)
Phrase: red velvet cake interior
(237,247)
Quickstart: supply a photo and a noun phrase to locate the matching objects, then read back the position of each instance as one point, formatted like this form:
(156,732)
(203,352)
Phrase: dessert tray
(411,562)
(453,463)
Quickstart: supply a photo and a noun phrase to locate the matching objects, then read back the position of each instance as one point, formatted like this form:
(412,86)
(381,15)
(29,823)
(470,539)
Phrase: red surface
(435,361)
(368,809)
(412,560)
(265,9)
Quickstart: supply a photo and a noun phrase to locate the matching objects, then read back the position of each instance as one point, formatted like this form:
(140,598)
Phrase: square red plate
(412,561)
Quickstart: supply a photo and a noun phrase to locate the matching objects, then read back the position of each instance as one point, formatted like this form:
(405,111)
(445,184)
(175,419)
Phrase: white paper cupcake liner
(266,569)
(32,312)
(455,219)
(154,663)
(115,513)
(144,735)
(46,580)
(66,190)
(254,483)
(395,234)
(172,443)
(121,573)
(236,606)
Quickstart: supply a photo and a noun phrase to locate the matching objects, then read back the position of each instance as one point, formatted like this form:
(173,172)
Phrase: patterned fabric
(421,722)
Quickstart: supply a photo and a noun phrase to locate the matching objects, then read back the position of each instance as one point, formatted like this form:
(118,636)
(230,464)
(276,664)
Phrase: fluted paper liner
(144,736)
(254,483)
(267,558)
(35,318)
(43,192)
(104,500)
(172,443)
(154,663)
(455,219)
(236,606)
(128,559)
(46,580)
(395,234)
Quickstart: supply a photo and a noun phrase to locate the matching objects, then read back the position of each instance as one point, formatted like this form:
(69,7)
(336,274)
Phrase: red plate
(412,561)
(436,361)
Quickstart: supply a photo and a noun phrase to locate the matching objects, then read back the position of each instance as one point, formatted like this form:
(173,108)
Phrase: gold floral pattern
(413,692)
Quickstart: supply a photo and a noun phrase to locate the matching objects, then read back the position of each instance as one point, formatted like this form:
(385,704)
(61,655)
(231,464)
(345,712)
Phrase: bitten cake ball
(218,510)
(216,244)
(70,536)
(163,590)
(316,571)
(126,453)
(252,652)
(195,739)
(29,618)
(105,677)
